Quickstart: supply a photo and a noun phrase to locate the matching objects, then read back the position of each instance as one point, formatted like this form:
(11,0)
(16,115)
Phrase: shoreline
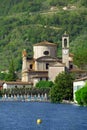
(32,100)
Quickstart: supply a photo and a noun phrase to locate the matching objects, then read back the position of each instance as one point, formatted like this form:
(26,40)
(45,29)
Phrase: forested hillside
(26,22)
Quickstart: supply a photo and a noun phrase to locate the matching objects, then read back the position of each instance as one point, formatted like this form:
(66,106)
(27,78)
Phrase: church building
(45,65)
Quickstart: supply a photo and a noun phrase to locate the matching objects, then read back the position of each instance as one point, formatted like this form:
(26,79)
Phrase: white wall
(39,51)
(76,86)
(54,71)
(35,81)
(13,85)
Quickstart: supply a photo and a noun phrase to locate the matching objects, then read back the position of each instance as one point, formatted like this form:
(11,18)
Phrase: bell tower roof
(65,34)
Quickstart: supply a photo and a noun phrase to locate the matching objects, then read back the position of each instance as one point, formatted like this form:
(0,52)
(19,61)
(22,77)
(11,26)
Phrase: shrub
(81,96)
(44,84)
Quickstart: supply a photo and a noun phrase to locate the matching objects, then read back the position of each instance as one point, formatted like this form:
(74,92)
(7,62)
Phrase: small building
(77,84)
(79,73)
(9,85)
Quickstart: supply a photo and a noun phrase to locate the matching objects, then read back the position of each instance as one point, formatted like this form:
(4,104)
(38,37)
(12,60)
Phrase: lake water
(23,116)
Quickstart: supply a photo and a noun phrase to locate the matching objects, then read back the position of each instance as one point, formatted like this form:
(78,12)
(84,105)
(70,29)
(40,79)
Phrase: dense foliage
(11,75)
(44,84)
(81,95)
(2,76)
(25,22)
(17,6)
(63,88)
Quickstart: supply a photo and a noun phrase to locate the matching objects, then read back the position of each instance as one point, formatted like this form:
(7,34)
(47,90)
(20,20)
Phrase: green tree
(81,95)
(11,76)
(80,58)
(44,84)
(78,97)
(84,3)
(63,88)
(2,76)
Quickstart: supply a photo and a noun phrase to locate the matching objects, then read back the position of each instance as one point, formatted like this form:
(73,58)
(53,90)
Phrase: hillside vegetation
(26,22)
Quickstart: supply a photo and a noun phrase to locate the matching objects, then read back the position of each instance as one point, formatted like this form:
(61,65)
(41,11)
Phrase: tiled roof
(58,64)
(18,83)
(78,70)
(81,79)
(49,58)
(65,34)
(45,43)
(38,71)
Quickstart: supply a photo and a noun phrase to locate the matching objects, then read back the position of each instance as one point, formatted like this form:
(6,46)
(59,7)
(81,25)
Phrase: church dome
(45,43)
(45,49)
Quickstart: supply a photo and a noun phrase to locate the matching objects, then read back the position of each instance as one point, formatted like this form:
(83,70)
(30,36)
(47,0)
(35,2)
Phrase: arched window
(65,42)
(47,66)
(70,65)
(30,66)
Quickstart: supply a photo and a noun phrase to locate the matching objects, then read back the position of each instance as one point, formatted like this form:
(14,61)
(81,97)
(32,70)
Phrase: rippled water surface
(23,116)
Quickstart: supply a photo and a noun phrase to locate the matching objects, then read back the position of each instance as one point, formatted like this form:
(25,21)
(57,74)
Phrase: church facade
(45,65)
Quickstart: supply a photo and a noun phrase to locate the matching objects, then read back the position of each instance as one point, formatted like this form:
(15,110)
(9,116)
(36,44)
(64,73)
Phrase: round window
(46,52)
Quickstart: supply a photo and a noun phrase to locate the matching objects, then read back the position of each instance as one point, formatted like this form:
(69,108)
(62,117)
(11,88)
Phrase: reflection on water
(23,116)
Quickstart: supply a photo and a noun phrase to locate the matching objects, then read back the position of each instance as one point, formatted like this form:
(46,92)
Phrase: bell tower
(24,66)
(65,49)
